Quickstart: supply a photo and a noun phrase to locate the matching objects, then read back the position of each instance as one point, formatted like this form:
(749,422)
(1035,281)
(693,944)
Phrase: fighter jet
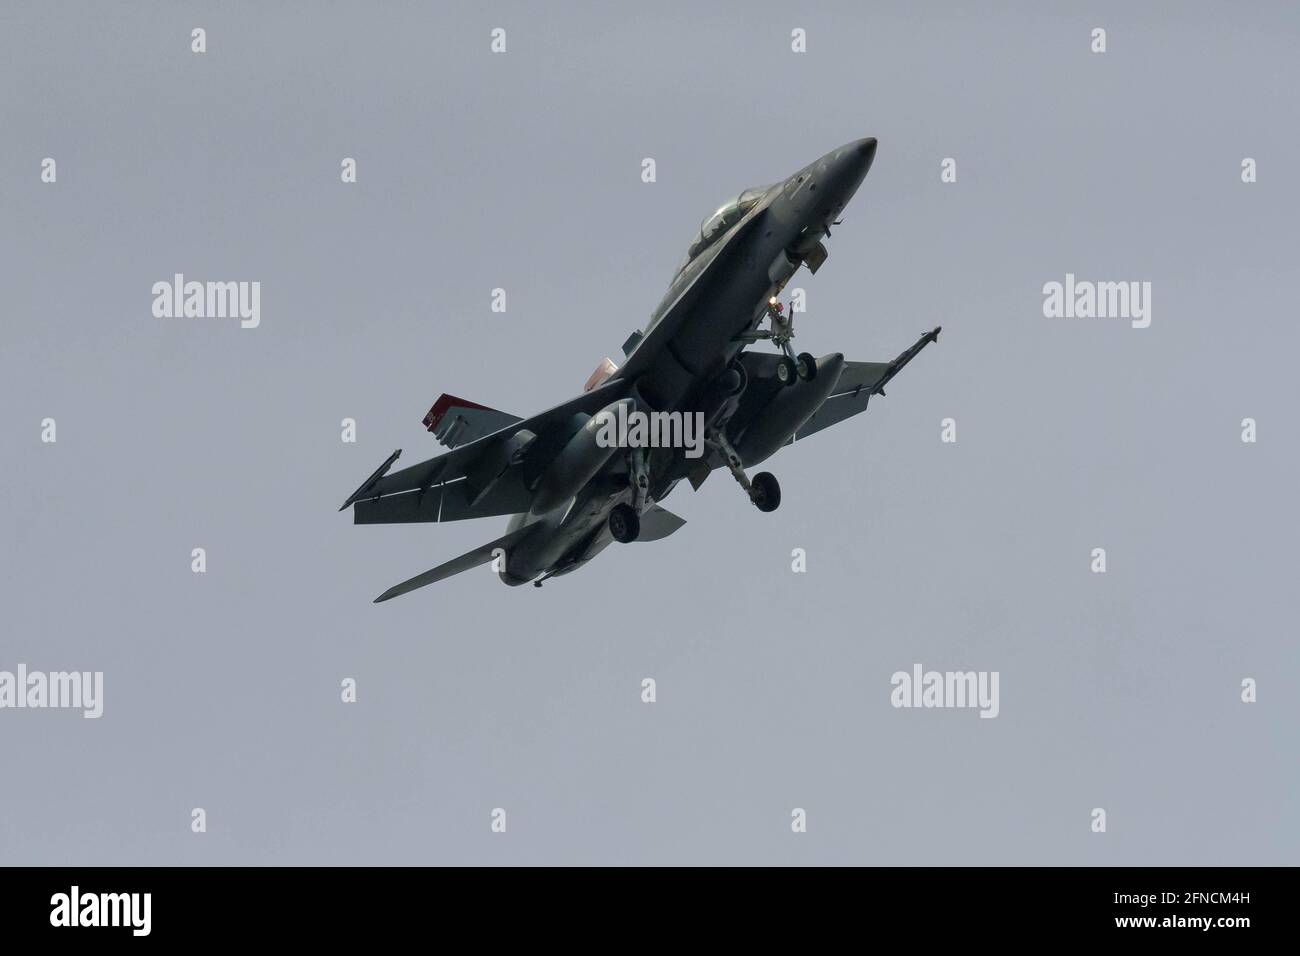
(569,494)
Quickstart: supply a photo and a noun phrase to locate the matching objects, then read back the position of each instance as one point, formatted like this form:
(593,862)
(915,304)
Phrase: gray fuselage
(693,336)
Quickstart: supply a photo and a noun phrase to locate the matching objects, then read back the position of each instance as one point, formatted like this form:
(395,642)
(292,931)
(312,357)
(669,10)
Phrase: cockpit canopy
(717,224)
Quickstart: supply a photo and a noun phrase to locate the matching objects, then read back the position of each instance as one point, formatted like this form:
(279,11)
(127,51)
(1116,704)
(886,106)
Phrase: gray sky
(522,171)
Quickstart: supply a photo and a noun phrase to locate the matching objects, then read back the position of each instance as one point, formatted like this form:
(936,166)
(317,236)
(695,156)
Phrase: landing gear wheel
(806,366)
(624,524)
(765,491)
(787,372)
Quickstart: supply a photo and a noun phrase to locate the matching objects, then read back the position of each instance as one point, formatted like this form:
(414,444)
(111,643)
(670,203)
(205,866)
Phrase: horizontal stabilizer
(455,422)
(657,523)
(471,559)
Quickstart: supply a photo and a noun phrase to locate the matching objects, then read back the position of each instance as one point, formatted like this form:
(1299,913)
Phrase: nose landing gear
(791,367)
(806,366)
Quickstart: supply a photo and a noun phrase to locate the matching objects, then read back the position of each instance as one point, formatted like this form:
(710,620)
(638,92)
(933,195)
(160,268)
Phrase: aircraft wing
(471,559)
(446,501)
(455,485)
(857,383)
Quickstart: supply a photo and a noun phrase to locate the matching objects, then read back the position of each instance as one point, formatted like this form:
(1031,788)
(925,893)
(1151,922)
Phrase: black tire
(765,491)
(624,524)
(787,373)
(806,367)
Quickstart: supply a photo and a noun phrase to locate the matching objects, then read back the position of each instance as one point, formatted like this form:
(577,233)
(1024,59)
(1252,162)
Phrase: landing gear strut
(781,330)
(763,491)
(625,519)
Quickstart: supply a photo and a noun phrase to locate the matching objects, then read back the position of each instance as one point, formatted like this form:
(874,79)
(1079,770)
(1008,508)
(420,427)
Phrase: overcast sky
(522,171)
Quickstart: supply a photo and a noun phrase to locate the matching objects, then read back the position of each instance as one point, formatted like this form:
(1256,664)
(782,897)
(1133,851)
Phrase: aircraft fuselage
(725,292)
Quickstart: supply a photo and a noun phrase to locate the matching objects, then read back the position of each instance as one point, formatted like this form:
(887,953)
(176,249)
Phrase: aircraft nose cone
(865,151)
(848,167)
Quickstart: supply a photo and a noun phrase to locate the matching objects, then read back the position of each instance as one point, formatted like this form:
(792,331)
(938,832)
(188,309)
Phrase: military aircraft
(568,493)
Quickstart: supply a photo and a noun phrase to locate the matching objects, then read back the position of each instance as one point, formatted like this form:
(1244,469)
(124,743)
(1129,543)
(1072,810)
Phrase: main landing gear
(624,523)
(625,519)
(764,490)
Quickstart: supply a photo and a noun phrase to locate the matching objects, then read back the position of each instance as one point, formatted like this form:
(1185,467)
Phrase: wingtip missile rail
(369,482)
